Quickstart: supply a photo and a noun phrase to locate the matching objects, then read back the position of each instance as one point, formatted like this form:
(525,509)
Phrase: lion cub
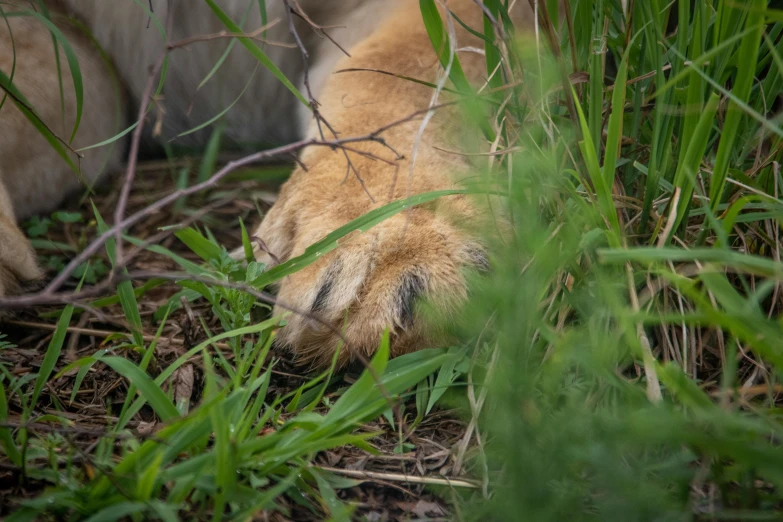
(373,280)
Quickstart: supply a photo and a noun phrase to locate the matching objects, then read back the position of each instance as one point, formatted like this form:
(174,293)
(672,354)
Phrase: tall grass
(638,347)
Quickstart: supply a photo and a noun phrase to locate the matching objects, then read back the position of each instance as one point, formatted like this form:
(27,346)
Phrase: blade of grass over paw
(360,224)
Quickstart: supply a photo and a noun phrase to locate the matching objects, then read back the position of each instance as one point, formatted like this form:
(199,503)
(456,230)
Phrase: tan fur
(370,281)
(32,177)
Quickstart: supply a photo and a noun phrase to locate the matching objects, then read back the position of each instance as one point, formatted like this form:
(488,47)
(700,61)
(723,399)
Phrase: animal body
(373,280)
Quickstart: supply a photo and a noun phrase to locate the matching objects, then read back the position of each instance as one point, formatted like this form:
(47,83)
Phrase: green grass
(621,360)
(639,353)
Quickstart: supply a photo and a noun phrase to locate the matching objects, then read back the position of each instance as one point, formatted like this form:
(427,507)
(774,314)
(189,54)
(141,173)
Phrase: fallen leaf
(145,428)
(183,387)
(422,508)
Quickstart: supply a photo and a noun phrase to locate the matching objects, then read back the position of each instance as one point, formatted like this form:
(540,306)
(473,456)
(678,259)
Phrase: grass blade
(125,292)
(602,190)
(362,224)
(689,164)
(256,51)
(71,58)
(747,57)
(151,392)
(52,353)
(43,129)
(440,41)
(6,440)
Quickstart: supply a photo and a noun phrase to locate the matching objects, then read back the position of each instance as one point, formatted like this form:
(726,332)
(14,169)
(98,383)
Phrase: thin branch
(254,35)
(133,155)
(318,29)
(401,477)
(306,66)
(320,121)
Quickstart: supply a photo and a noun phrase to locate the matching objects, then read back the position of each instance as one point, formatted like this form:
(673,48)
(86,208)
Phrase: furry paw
(18,265)
(374,280)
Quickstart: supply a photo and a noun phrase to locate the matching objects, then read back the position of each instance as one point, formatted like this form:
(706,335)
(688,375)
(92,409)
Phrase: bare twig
(133,155)
(71,430)
(320,30)
(401,477)
(253,35)
(320,121)
(289,10)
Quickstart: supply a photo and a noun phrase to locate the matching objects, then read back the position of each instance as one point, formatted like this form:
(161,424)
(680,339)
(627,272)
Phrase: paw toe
(376,282)
(413,286)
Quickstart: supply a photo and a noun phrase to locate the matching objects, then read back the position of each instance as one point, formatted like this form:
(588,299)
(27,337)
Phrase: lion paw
(373,281)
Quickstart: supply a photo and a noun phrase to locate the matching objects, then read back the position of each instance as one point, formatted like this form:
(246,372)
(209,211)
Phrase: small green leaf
(146,386)
(200,245)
